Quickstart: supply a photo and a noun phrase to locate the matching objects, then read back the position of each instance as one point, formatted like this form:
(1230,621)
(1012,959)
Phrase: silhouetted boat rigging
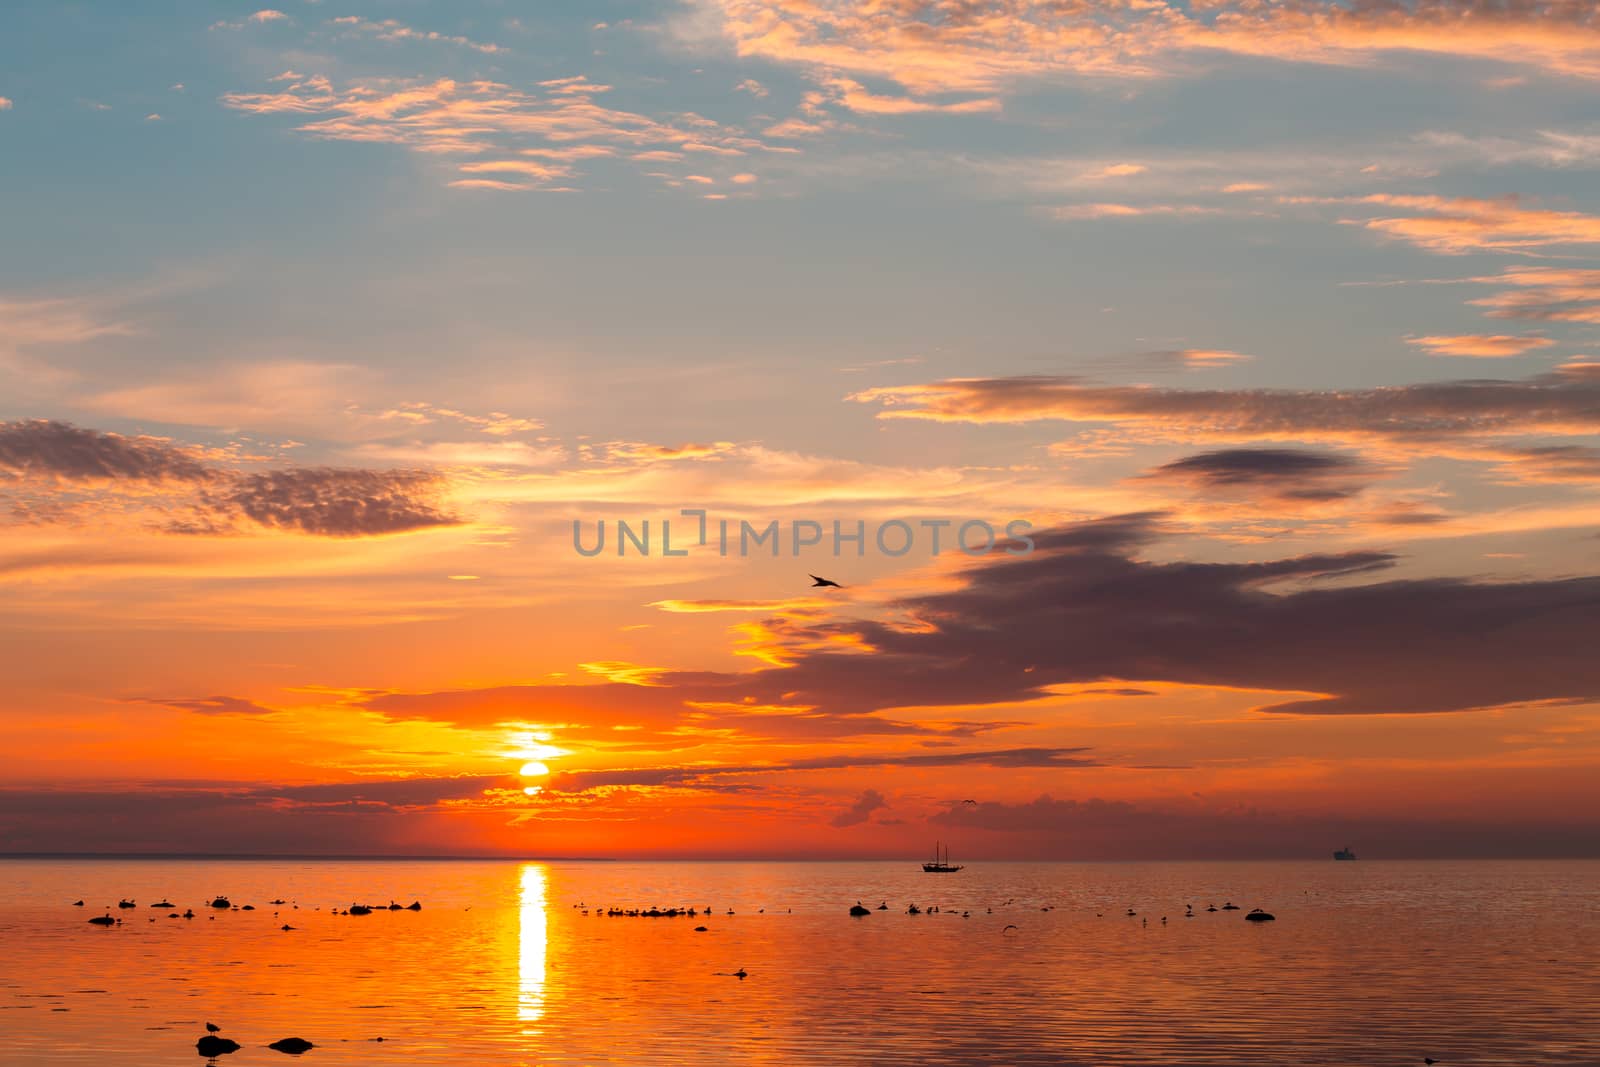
(940,866)
(1344,854)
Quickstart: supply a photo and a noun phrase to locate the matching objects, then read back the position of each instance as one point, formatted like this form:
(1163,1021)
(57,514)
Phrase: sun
(534,770)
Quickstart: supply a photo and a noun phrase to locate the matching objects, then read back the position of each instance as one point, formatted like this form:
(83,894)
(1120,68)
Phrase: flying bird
(816,582)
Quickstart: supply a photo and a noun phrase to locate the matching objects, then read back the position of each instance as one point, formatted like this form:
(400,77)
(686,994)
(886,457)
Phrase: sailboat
(940,865)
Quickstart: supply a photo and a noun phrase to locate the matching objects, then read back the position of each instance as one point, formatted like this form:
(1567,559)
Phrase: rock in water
(858,910)
(1259,916)
(292,1045)
(212,1045)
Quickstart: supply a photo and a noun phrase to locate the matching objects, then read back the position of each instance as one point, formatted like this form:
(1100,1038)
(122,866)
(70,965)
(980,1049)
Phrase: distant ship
(1344,854)
(940,866)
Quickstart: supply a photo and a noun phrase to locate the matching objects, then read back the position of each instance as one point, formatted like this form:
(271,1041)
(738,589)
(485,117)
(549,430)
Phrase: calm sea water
(1368,963)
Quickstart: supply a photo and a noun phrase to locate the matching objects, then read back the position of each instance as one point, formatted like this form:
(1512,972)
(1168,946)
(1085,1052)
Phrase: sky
(1264,338)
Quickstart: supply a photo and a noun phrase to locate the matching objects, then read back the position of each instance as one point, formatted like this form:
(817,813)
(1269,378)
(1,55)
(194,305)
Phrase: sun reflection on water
(533,946)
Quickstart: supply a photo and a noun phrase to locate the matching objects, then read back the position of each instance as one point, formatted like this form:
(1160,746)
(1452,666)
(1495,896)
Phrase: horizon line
(294,857)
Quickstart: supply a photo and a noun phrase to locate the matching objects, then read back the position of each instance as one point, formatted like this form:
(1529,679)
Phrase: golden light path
(533,947)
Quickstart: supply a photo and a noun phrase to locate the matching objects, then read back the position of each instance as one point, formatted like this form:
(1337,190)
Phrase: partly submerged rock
(1258,916)
(292,1045)
(858,910)
(212,1045)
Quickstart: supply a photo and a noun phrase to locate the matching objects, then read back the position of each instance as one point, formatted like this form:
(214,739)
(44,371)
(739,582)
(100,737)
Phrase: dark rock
(415,905)
(1258,916)
(103,920)
(292,1045)
(360,909)
(857,910)
(212,1045)
(222,902)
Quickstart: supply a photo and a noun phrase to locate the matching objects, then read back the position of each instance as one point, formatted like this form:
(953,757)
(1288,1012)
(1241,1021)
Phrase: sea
(524,963)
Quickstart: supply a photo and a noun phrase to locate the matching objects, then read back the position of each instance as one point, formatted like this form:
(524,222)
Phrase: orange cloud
(1457,226)
(1482,346)
(446,117)
(943,46)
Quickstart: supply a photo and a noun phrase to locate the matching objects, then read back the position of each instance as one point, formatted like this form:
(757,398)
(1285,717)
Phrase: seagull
(212,1028)
(817,582)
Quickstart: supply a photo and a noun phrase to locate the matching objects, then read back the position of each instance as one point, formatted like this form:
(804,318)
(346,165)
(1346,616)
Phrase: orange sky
(1274,330)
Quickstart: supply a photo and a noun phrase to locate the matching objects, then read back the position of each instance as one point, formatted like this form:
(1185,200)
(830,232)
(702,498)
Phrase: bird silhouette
(818,582)
(212,1028)
(969,802)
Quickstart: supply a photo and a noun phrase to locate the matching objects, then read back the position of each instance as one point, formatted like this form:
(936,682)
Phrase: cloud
(1167,360)
(58,465)
(1456,226)
(6,103)
(1286,474)
(1544,294)
(944,46)
(1564,402)
(27,323)
(1104,829)
(868,802)
(695,777)
(377,817)
(1083,608)
(1086,609)
(1482,346)
(335,502)
(1074,212)
(216,705)
(268,15)
(60,450)
(394,30)
(447,118)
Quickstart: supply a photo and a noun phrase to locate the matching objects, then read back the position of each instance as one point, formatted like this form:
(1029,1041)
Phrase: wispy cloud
(556,124)
(1564,402)
(1482,346)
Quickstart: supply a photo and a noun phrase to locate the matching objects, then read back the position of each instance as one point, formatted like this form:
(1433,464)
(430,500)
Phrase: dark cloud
(90,467)
(60,450)
(1083,609)
(1287,474)
(1093,828)
(1565,402)
(347,818)
(868,802)
(698,776)
(337,502)
(217,705)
